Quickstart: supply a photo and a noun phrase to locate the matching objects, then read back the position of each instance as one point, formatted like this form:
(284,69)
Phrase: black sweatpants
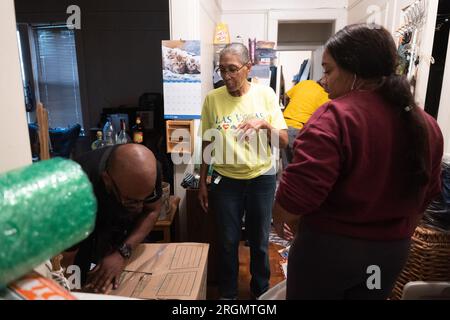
(327,266)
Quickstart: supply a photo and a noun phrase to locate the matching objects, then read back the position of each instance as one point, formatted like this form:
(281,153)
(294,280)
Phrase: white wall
(184,22)
(337,15)
(259,18)
(240,5)
(209,17)
(194,20)
(444,109)
(383,12)
(14,140)
(246,25)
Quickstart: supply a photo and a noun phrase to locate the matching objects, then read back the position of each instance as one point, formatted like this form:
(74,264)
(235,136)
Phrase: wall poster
(181,79)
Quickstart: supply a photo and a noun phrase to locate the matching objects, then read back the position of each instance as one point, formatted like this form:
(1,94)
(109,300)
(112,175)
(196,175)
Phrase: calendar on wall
(182,100)
(181,79)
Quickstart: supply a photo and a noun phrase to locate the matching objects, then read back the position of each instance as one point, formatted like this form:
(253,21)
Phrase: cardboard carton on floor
(166,271)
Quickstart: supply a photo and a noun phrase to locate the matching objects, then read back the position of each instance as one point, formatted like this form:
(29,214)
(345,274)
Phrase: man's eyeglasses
(232,70)
(127,202)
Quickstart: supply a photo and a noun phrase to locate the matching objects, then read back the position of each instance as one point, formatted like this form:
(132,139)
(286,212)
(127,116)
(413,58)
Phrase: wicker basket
(429,259)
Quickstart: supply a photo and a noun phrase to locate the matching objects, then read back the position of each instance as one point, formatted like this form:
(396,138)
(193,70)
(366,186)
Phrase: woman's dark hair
(369,52)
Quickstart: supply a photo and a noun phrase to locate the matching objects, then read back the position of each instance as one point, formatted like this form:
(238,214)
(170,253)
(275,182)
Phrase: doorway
(300,42)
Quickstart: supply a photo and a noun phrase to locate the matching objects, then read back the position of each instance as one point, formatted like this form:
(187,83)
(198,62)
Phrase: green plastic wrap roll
(45,209)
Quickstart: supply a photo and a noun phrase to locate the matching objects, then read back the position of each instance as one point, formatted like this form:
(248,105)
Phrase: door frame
(338,17)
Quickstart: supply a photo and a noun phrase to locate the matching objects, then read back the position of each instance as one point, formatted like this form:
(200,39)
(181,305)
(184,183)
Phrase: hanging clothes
(297,77)
(305,75)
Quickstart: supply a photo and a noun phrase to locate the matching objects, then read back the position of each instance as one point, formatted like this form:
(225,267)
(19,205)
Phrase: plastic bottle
(123,137)
(109,133)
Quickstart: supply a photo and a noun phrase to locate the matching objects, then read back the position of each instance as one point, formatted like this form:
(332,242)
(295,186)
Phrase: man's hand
(203,196)
(106,273)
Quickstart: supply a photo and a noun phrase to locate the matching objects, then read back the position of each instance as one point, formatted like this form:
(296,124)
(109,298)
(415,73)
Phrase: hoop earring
(354,82)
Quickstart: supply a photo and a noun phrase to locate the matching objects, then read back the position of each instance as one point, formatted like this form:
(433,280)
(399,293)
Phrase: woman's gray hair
(237,49)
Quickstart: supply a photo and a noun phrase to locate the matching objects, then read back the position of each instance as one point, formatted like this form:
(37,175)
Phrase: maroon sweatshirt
(346,175)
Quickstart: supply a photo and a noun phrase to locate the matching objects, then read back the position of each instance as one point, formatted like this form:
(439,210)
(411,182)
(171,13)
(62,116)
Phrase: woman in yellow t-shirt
(304,99)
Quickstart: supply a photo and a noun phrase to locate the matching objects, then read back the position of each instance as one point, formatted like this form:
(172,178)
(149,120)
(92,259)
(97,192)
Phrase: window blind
(58,75)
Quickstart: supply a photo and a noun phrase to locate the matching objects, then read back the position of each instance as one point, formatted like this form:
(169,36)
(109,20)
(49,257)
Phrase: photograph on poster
(181,61)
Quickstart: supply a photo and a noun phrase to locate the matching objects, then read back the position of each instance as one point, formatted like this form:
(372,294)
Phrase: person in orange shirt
(304,99)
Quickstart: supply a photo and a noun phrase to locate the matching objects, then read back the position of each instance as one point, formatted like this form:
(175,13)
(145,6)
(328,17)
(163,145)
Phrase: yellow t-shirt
(235,157)
(306,97)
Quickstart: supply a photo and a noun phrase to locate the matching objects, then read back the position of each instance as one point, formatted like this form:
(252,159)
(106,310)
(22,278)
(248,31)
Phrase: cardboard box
(175,271)
(33,286)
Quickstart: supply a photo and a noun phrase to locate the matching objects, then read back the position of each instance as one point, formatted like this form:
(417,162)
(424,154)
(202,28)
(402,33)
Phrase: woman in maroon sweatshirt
(365,167)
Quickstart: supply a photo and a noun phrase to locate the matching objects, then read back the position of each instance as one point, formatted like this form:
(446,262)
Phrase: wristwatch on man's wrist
(125,251)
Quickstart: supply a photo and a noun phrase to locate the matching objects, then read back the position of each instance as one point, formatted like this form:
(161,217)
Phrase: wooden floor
(244,272)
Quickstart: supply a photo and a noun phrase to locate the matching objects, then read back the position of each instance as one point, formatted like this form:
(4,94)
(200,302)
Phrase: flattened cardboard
(166,271)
